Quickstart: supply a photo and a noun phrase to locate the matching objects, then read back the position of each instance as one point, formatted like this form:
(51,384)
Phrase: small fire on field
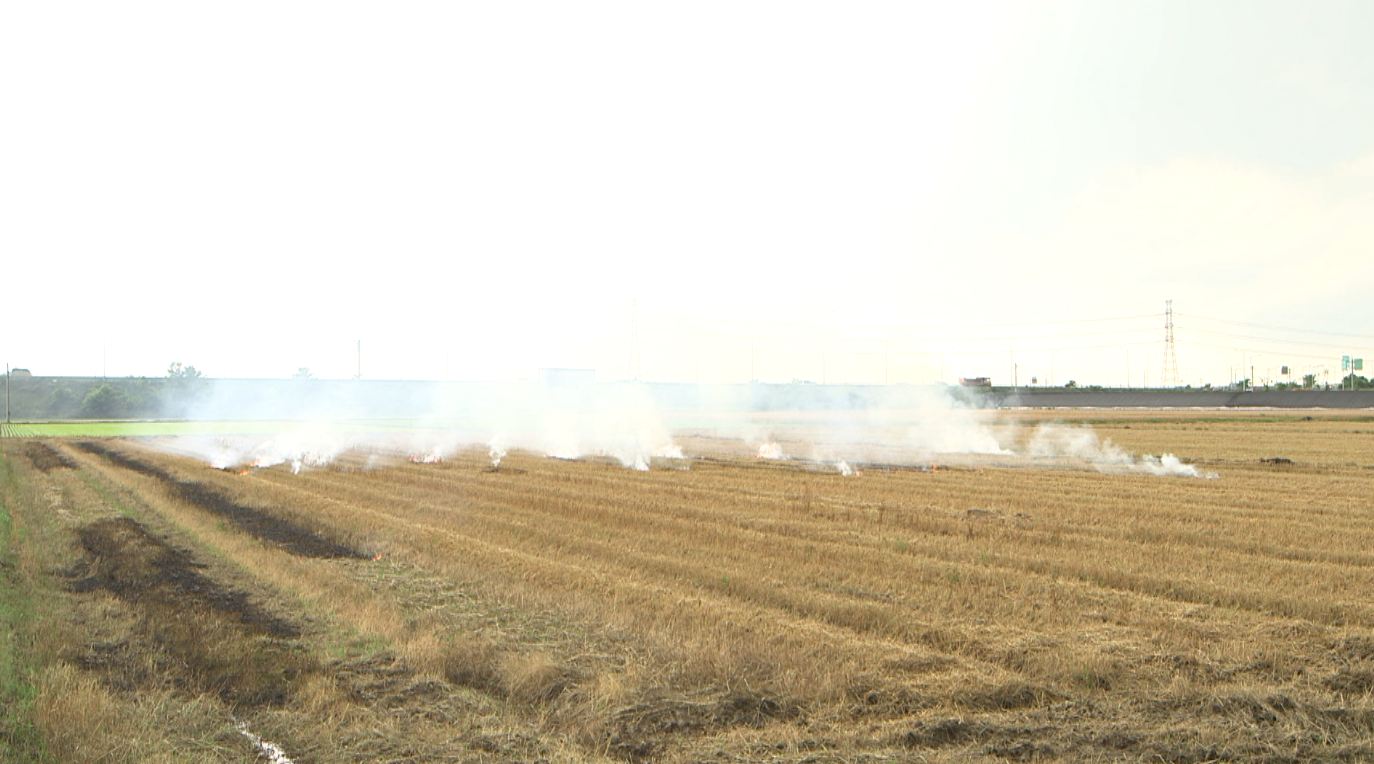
(433,457)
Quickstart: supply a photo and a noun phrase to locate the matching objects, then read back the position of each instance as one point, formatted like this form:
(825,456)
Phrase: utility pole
(634,339)
(7,392)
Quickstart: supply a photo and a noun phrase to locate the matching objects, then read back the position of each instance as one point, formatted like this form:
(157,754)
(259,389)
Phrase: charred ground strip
(46,458)
(126,461)
(259,524)
(256,522)
(191,631)
(123,558)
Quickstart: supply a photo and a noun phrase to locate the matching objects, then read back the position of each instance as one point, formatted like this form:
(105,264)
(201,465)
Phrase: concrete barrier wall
(1286,399)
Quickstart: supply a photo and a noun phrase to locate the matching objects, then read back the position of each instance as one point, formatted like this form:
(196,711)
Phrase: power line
(1257,351)
(1277,328)
(1052,335)
(1060,349)
(912,326)
(1075,320)
(1276,340)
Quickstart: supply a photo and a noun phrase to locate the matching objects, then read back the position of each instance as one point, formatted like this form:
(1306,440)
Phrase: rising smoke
(1081,445)
(824,427)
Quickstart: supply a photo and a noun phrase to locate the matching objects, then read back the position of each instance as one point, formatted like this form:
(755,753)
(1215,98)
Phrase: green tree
(1309,381)
(185,385)
(178,371)
(105,402)
(61,402)
(1353,381)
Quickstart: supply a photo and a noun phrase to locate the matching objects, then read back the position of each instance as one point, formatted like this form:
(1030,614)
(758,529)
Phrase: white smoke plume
(319,422)
(620,421)
(771,450)
(899,425)
(1082,445)
(310,423)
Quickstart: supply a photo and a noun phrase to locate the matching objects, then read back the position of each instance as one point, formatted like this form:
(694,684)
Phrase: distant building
(20,374)
(975,381)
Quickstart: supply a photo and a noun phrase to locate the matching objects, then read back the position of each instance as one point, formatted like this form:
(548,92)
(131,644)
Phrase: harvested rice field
(717,607)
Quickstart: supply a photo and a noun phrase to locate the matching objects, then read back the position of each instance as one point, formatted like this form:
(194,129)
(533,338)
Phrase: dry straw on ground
(739,610)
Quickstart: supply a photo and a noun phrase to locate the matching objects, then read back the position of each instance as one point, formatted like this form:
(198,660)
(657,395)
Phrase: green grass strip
(20,740)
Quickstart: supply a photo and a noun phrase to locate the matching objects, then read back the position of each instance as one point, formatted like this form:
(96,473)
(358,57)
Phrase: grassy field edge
(20,740)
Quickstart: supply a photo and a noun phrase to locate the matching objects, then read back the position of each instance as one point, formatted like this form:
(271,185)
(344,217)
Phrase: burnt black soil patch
(123,558)
(188,630)
(259,524)
(256,522)
(124,460)
(46,458)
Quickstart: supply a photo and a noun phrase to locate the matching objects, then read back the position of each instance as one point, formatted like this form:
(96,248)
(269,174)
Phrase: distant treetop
(178,371)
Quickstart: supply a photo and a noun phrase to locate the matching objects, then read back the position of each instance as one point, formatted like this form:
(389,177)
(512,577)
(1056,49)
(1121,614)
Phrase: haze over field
(640,427)
(716,192)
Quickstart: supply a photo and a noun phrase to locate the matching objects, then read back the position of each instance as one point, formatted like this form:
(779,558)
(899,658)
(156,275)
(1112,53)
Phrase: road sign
(1345,363)
(1357,364)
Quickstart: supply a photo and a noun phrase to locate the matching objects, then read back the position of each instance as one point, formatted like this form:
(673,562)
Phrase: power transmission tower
(1170,376)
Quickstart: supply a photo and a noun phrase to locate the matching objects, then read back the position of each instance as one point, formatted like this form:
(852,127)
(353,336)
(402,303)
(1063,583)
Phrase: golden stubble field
(729,610)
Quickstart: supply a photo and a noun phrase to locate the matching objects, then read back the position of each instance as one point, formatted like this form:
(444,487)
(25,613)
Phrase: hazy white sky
(696,191)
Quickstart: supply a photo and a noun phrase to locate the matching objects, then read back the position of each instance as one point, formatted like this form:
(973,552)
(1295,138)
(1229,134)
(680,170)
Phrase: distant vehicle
(975,381)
